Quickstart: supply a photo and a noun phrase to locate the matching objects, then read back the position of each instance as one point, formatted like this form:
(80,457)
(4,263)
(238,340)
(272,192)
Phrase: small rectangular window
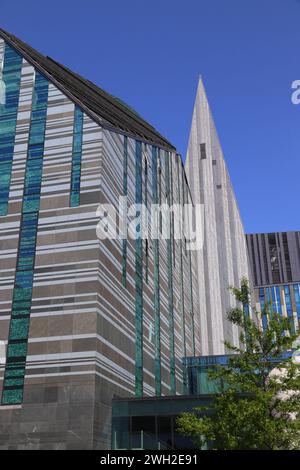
(203,151)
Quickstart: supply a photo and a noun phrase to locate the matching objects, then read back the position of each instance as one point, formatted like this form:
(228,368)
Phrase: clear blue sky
(151,52)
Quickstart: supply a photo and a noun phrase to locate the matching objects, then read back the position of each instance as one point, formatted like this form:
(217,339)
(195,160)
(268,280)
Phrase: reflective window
(76,157)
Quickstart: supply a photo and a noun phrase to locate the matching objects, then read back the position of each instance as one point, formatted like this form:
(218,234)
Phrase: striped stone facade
(83,320)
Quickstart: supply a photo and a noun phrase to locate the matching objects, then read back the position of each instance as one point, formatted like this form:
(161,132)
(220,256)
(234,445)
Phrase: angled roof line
(105,109)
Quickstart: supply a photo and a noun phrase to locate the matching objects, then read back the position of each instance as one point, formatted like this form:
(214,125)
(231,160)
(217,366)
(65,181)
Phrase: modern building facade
(275,267)
(87,321)
(83,320)
(223,260)
(150,423)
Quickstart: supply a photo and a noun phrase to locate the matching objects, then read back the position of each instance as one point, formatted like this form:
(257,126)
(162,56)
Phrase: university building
(97,333)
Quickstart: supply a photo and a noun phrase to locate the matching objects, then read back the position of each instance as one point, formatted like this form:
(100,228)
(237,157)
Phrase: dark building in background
(275,267)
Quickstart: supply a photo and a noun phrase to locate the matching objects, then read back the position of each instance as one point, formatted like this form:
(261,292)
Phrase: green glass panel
(124,241)
(12,397)
(138,280)
(11,78)
(182,307)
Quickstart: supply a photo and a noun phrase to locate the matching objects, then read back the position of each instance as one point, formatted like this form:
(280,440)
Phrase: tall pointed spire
(223,260)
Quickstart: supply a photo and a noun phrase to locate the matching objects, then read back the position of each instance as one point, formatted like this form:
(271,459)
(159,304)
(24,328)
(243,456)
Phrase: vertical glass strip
(262,306)
(246,306)
(170,280)
(189,225)
(172,215)
(76,157)
(11,80)
(191,302)
(268,295)
(138,276)
(289,308)
(125,189)
(296,288)
(22,295)
(276,300)
(146,221)
(159,190)
(155,241)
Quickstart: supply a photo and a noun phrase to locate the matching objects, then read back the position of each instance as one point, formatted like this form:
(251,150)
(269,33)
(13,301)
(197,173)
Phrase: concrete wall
(223,260)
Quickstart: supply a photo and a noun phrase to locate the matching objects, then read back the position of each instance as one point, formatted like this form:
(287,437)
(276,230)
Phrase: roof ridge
(116,114)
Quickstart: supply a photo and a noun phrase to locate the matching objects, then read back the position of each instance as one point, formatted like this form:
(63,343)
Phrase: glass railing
(140,440)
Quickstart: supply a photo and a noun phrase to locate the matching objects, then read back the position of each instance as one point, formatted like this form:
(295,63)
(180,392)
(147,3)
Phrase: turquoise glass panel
(262,306)
(170,282)
(11,78)
(289,308)
(296,288)
(276,300)
(76,157)
(23,287)
(182,306)
(138,278)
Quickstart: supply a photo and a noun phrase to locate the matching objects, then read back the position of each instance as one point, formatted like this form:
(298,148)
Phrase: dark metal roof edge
(185,177)
(103,123)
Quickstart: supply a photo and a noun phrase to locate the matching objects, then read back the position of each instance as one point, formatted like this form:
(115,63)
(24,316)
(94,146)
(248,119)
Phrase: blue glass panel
(11,77)
(170,284)
(262,306)
(289,308)
(22,294)
(276,303)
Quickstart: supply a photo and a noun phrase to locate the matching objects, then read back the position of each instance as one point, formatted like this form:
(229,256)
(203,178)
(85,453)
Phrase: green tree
(259,405)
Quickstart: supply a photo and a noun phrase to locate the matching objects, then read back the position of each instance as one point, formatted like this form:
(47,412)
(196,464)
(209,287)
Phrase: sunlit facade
(223,261)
